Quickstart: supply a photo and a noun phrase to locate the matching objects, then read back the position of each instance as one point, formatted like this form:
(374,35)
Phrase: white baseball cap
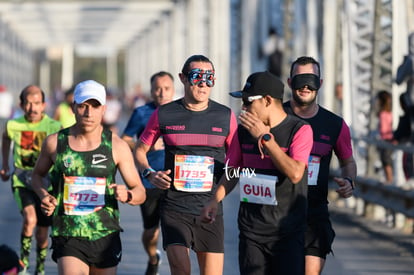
(89,89)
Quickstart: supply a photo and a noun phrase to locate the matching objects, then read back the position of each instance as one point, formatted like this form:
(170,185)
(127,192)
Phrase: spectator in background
(6,107)
(338,98)
(385,132)
(402,135)
(112,112)
(405,73)
(63,112)
(138,98)
(272,49)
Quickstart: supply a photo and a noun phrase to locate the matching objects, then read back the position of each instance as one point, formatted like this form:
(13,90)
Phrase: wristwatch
(129,197)
(147,172)
(266,137)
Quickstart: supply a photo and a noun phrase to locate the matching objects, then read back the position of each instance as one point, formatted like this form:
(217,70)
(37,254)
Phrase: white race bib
(260,189)
(83,195)
(313,169)
(193,173)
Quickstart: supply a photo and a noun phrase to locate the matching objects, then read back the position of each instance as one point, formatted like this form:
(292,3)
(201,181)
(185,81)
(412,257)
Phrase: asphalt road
(361,247)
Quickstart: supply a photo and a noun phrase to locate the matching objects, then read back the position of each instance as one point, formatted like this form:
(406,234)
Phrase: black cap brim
(237,94)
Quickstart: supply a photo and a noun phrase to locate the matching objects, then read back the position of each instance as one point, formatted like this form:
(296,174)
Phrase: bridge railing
(374,199)
(373,191)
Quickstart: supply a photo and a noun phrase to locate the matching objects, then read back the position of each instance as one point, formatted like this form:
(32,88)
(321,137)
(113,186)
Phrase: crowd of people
(179,158)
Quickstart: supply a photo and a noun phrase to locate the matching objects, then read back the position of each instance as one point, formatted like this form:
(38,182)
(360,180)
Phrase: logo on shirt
(216,129)
(175,127)
(68,161)
(325,137)
(97,159)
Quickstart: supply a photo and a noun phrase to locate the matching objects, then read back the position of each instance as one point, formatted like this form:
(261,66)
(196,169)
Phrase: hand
(160,179)
(345,189)
(5,174)
(209,212)
(253,124)
(121,192)
(48,204)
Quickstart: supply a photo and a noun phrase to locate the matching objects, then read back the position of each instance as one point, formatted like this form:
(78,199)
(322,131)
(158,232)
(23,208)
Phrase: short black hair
(304,60)
(23,93)
(195,58)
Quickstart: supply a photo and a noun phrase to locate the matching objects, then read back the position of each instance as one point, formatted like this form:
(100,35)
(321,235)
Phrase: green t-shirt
(28,138)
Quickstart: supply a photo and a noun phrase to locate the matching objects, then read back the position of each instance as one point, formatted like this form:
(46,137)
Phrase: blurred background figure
(405,73)
(138,98)
(113,111)
(63,112)
(338,98)
(385,132)
(6,107)
(272,49)
(9,261)
(402,135)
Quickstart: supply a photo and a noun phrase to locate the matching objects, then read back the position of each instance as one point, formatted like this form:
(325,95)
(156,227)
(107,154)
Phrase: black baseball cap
(261,83)
(8,259)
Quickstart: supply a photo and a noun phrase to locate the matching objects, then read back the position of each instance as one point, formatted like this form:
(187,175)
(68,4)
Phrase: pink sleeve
(233,152)
(152,131)
(343,146)
(302,144)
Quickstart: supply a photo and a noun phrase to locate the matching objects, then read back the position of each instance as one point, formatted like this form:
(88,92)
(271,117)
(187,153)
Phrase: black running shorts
(150,209)
(187,230)
(103,253)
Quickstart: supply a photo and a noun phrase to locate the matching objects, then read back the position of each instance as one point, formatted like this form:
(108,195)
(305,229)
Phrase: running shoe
(152,269)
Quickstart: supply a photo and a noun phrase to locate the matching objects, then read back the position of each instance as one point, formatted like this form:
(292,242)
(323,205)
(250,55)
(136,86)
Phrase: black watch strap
(351,181)
(147,172)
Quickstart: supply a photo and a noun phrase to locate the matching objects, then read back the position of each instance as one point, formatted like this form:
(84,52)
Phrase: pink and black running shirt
(207,133)
(330,134)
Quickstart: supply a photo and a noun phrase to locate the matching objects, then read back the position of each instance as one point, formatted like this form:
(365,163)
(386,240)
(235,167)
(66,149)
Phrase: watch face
(266,137)
(146,173)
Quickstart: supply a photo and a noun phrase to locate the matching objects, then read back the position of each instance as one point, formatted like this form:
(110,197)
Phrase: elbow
(297,177)
(298,172)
